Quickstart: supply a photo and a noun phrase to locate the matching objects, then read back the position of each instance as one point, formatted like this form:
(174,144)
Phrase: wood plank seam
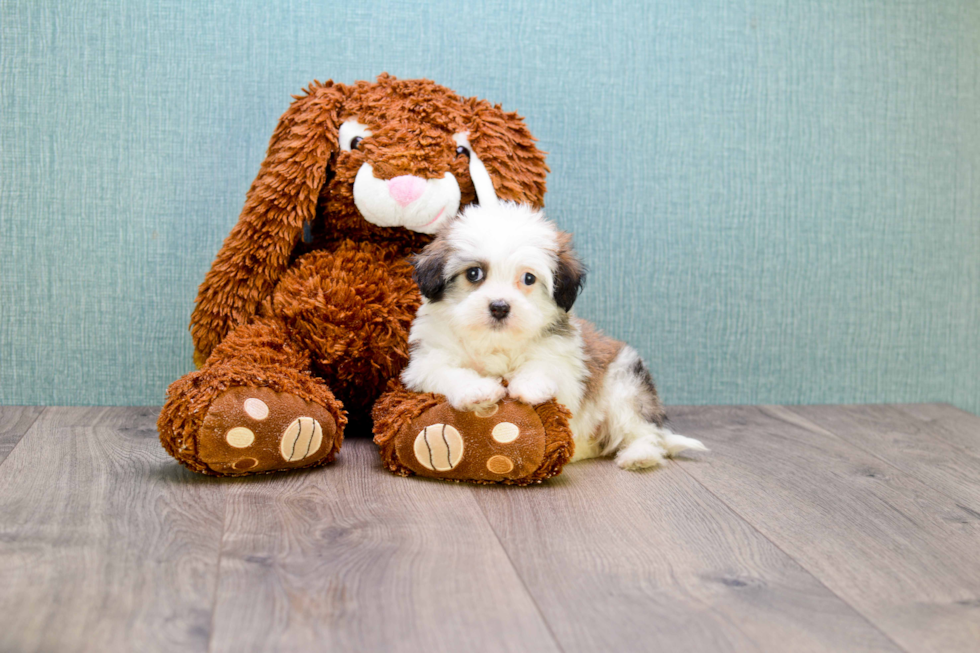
(300,560)
(217,575)
(708,595)
(22,435)
(944,404)
(803,422)
(517,572)
(936,429)
(809,571)
(106,541)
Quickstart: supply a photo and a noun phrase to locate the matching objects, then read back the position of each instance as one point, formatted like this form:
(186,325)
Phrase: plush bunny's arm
(282,197)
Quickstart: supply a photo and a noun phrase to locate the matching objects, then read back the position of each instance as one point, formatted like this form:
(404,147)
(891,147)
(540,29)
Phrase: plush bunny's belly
(351,307)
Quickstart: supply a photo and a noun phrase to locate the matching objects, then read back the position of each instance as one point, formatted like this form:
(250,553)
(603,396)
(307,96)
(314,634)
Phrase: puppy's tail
(675,443)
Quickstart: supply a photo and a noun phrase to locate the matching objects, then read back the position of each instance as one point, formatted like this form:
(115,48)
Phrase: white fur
(460,351)
(428,213)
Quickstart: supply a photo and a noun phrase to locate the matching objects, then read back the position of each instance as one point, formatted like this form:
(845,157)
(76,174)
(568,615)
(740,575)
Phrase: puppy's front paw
(480,393)
(533,390)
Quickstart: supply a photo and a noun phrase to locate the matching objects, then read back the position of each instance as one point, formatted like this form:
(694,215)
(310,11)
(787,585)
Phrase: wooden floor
(805,529)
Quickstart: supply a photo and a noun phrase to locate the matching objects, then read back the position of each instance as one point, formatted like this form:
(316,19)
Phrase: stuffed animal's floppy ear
(505,146)
(430,269)
(282,197)
(569,274)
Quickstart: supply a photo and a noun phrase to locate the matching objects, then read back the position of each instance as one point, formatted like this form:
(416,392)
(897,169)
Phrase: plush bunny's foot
(508,442)
(502,442)
(255,430)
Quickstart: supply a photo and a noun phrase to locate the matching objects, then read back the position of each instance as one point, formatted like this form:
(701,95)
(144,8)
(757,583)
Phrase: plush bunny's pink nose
(406,189)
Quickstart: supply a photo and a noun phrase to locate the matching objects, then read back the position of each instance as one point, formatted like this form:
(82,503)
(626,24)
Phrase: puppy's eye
(463,151)
(474,274)
(529,279)
(355,143)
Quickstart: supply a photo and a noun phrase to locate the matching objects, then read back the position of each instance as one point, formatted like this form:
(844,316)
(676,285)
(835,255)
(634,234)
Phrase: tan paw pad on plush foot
(254,430)
(504,441)
(438,447)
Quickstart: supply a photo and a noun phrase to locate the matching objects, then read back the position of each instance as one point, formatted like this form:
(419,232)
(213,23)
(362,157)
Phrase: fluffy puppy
(498,286)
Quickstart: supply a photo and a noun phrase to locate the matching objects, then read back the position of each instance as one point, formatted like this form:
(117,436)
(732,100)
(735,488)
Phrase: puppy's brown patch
(600,352)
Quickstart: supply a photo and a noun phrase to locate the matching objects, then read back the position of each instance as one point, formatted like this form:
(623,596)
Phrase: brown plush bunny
(302,321)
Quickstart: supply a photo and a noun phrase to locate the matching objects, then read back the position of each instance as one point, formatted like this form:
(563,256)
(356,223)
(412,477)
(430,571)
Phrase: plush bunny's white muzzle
(422,205)
(407,201)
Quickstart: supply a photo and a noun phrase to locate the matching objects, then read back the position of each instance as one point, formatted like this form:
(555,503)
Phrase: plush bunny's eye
(351,134)
(474,274)
(463,151)
(529,279)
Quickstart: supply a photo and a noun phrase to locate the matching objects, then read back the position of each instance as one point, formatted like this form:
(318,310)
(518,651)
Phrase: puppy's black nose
(499,309)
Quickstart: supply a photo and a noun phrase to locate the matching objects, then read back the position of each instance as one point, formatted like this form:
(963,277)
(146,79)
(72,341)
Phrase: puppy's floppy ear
(569,273)
(282,197)
(503,143)
(430,269)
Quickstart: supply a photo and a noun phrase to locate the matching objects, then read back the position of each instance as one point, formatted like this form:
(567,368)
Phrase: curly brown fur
(351,308)
(412,122)
(399,407)
(328,320)
(253,355)
(559,445)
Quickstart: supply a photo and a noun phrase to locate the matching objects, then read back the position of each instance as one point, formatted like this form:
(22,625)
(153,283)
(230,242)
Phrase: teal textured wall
(779,201)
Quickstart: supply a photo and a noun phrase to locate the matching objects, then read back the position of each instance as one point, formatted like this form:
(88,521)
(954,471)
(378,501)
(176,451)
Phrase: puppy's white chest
(494,363)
